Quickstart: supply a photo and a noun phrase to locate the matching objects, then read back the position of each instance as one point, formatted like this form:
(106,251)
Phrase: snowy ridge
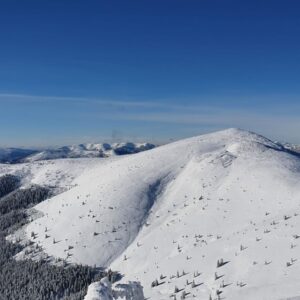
(166,216)
(292,147)
(90,150)
(12,155)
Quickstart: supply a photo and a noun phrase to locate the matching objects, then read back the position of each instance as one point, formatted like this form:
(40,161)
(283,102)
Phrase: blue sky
(78,71)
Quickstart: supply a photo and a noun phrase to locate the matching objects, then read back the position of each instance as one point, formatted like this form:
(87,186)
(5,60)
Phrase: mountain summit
(216,214)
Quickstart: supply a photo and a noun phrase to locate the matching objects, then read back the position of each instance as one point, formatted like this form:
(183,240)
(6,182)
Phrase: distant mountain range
(89,150)
(17,155)
(13,155)
(292,147)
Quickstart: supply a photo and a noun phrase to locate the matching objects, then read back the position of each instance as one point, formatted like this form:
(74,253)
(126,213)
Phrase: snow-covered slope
(58,174)
(90,150)
(172,212)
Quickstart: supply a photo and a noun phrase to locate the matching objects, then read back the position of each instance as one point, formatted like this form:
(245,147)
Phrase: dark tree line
(23,198)
(41,281)
(28,279)
(8,183)
(12,221)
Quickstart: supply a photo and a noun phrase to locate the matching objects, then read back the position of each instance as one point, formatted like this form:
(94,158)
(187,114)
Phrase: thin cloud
(277,121)
(91,100)
(275,126)
(159,104)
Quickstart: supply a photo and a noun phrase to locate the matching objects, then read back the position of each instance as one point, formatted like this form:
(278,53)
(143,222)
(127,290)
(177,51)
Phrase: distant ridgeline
(15,155)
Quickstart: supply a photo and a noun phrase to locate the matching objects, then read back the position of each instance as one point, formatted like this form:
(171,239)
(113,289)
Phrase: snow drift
(104,290)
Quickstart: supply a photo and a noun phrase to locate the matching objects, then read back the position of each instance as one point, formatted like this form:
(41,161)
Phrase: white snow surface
(100,290)
(59,174)
(104,290)
(170,213)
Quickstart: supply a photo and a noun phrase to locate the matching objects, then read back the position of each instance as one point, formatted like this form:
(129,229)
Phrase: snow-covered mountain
(16,155)
(214,215)
(90,150)
(292,147)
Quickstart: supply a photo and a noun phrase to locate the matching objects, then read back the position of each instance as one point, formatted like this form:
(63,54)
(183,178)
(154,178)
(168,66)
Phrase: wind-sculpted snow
(104,290)
(216,215)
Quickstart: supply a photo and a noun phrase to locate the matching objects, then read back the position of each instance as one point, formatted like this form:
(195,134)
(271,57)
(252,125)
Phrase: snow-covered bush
(104,290)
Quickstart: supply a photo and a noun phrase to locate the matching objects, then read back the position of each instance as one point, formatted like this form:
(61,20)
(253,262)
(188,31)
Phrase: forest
(28,279)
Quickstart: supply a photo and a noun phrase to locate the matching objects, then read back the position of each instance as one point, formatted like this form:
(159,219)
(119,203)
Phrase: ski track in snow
(170,213)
